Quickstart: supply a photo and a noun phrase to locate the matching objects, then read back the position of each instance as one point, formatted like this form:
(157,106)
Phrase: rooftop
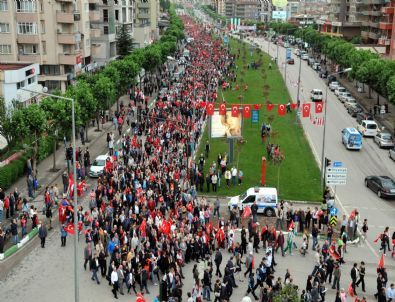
(13,66)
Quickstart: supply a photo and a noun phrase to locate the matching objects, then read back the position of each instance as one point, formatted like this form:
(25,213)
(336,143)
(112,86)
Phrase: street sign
(337,164)
(336,176)
(336,182)
(255,116)
(333,221)
(288,53)
(334,170)
(334,211)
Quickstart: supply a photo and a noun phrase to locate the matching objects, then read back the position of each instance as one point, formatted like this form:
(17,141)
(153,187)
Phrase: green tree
(104,92)
(391,89)
(6,129)
(124,41)
(128,69)
(288,293)
(30,123)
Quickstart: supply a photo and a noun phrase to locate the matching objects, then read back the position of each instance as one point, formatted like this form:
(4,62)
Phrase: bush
(10,173)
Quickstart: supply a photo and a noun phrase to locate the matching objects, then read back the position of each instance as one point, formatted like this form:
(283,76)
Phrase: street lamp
(323,136)
(44,92)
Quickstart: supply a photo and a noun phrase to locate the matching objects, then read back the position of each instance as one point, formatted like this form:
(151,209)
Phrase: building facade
(13,77)
(244,9)
(387,29)
(54,34)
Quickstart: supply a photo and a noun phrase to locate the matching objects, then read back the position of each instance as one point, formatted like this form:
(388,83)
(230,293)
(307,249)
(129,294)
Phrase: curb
(13,249)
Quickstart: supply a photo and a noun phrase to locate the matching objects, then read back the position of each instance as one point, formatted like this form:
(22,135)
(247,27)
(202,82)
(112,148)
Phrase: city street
(369,161)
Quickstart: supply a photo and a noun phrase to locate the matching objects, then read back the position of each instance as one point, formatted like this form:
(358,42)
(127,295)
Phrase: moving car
(265,197)
(368,128)
(304,56)
(98,165)
(382,185)
(291,61)
(384,140)
(391,153)
(351,138)
(316,95)
(333,85)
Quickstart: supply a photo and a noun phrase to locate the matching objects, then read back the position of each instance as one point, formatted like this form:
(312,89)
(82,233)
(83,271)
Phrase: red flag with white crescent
(306,110)
(281,109)
(235,110)
(222,109)
(247,111)
(318,107)
(210,109)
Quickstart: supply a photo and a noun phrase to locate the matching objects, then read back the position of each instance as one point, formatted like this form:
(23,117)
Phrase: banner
(280,3)
(279,15)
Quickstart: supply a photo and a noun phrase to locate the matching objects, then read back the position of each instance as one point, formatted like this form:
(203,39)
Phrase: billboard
(279,14)
(280,3)
(225,125)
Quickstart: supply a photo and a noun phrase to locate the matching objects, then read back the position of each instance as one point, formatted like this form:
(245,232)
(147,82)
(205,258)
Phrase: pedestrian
(14,231)
(234,175)
(1,210)
(217,205)
(361,276)
(240,176)
(280,243)
(365,229)
(391,293)
(214,180)
(228,176)
(87,254)
(114,282)
(207,148)
(63,235)
(251,285)
(218,261)
(121,279)
(144,280)
(290,242)
(336,276)
(354,274)
(42,233)
(254,211)
(206,285)
(94,266)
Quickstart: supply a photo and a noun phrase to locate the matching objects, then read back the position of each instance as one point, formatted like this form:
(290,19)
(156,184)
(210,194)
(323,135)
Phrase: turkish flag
(257,106)
(294,106)
(351,291)
(306,110)
(246,212)
(235,110)
(70,228)
(143,227)
(247,111)
(318,107)
(222,109)
(210,109)
(269,107)
(202,104)
(140,298)
(281,109)
(381,261)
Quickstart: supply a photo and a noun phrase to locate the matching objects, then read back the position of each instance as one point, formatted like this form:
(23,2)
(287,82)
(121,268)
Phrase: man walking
(354,272)
(361,276)
(87,254)
(42,234)
(336,277)
(14,231)
(217,205)
(218,261)
(114,282)
(94,266)
(254,211)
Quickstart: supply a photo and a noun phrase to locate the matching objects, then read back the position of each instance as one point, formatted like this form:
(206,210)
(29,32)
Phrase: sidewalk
(387,120)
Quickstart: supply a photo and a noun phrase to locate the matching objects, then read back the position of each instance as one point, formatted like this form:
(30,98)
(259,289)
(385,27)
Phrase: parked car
(384,140)
(343,95)
(382,185)
(98,165)
(339,90)
(391,153)
(353,110)
(291,61)
(350,102)
(317,66)
(364,116)
(316,95)
(368,128)
(333,85)
(304,56)
(331,79)
(310,61)
(297,52)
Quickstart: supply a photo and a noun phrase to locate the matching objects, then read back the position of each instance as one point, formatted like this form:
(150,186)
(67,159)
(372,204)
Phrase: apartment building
(53,34)
(342,20)
(387,29)
(370,14)
(142,23)
(246,9)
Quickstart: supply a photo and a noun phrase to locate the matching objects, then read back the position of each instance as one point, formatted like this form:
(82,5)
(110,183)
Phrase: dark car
(331,79)
(382,185)
(291,61)
(362,116)
(354,110)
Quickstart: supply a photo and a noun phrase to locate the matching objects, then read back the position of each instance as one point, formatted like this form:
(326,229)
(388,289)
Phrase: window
(27,28)
(5,49)
(20,85)
(117,15)
(4,28)
(50,70)
(31,80)
(3,5)
(29,49)
(105,15)
(105,30)
(44,47)
(23,6)
(42,27)
(88,43)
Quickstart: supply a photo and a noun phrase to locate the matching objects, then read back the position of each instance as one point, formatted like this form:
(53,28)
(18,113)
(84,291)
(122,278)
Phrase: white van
(266,199)
(316,95)
(368,128)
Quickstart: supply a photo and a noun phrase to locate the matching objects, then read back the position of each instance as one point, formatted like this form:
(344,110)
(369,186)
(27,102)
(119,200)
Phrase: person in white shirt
(114,282)
(391,293)
(234,175)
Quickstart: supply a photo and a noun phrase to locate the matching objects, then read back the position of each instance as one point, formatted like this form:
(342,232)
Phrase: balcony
(63,17)
(64,38)
(143,16)
(372,1)
(26,17)
(95,33)
(94,1)
(373,36)
(371,12)
(364,34)
(388,10)
(365,23)
(373,24)
(384,41)
(143,4)
(28,39)
(33,58)
(67,59)
(385,25)
(94,15)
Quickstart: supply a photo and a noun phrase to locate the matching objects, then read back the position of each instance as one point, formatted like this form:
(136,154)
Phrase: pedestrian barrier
(13,249)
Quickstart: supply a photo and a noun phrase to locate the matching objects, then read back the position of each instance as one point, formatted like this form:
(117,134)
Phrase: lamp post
(323,135)
(44,93)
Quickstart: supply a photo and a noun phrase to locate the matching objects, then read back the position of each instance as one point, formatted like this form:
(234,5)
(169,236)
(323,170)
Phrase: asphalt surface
(371,160)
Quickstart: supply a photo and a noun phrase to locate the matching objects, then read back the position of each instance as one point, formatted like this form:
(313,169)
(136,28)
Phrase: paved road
(369,161)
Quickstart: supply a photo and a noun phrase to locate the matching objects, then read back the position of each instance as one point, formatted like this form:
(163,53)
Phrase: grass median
(297,177)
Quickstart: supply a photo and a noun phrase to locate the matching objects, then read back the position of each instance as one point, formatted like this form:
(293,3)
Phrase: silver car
(384,140)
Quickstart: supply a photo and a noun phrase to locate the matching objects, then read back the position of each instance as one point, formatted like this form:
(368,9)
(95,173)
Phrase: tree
(104,92)
(128,70)
(6,129)
(30,123)
(58,113)
(124,41)
(288,293)
(391,89)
